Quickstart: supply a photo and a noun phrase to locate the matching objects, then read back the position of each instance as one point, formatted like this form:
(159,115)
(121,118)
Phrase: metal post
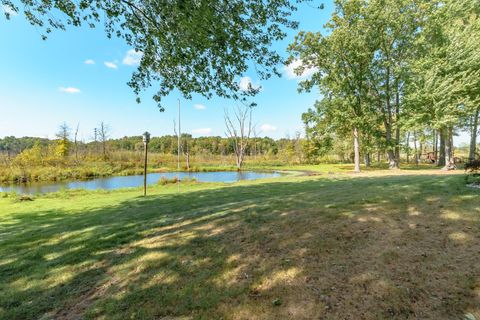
(146,140)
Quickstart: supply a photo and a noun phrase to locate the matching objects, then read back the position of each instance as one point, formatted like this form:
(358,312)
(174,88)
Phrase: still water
(117,182)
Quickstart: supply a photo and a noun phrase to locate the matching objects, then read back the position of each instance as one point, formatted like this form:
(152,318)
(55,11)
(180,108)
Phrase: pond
(117,182)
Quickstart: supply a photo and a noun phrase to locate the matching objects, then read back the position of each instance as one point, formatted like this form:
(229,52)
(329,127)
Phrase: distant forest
(165,144)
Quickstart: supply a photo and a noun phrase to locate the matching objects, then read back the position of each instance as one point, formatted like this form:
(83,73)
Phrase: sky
(79,77)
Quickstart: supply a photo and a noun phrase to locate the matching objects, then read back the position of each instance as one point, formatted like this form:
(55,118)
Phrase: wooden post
(146,140)
(178,138)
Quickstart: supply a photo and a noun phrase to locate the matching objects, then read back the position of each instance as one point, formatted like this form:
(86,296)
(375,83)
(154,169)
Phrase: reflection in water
(117,182)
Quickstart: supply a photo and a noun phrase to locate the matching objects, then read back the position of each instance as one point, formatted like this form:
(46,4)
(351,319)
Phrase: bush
(164,181)
(23,198)
(473,166)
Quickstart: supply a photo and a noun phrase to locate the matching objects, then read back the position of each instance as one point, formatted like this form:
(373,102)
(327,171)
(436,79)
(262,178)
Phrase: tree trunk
(449,163)
(408,147)
(397,125)
(441,159)
(473,135)
(356,149)
(420,151)
(239,157)
(366,157)
(392,161)
(415,148)
(452,150)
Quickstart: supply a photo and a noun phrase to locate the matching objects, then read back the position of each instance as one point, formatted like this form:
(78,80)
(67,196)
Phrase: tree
(387,67)
(63,143)
(103,133)
(319,131)
(473,134)
(238,130)
(393,26)
(194,46)
(183,146)
(341,59)
(446,73)
(75,142)
(256,134)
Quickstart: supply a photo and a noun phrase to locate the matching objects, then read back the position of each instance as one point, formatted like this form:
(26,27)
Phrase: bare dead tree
(95,141)
(75,142)
(180,146)
(239,129)
(187,153)
(256,134)
(103,134)
(298,146)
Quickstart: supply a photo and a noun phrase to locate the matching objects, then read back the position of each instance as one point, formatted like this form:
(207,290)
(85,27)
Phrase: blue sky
(44,83)
(80,76)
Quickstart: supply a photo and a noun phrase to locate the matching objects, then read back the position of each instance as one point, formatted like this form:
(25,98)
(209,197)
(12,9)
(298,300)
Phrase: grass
(372,246)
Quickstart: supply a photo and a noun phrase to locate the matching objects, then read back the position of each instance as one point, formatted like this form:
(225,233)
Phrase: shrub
(164,181)
(22,198)
(473,166)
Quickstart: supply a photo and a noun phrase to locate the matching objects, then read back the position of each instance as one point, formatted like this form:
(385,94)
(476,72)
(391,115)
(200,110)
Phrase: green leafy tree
(393,26)
(446,84)
(193,46)
(342,59)
(319,132)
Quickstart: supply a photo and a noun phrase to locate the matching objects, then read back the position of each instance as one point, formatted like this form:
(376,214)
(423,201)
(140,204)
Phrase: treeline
(29,159)
(65,145)
(202,145)
(328,148)
(12,146)
(395,76)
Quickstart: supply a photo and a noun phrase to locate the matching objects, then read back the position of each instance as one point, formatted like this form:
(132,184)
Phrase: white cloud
(110,65)
(69,90)
(266,128)
(289,71)
(9,10)
(202,131)
(132,58)
(89,61)
(245,83)
(199,106)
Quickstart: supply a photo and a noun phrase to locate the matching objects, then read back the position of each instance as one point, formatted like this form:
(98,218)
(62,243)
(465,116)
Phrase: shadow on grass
(364,248)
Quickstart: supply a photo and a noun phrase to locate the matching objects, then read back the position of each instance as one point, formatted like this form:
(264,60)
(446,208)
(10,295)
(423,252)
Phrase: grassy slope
(330,247)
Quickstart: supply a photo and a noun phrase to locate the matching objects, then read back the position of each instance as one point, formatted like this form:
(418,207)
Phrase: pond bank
(118,182)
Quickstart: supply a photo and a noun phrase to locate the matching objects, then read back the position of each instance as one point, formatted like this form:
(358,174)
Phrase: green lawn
(298,247)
